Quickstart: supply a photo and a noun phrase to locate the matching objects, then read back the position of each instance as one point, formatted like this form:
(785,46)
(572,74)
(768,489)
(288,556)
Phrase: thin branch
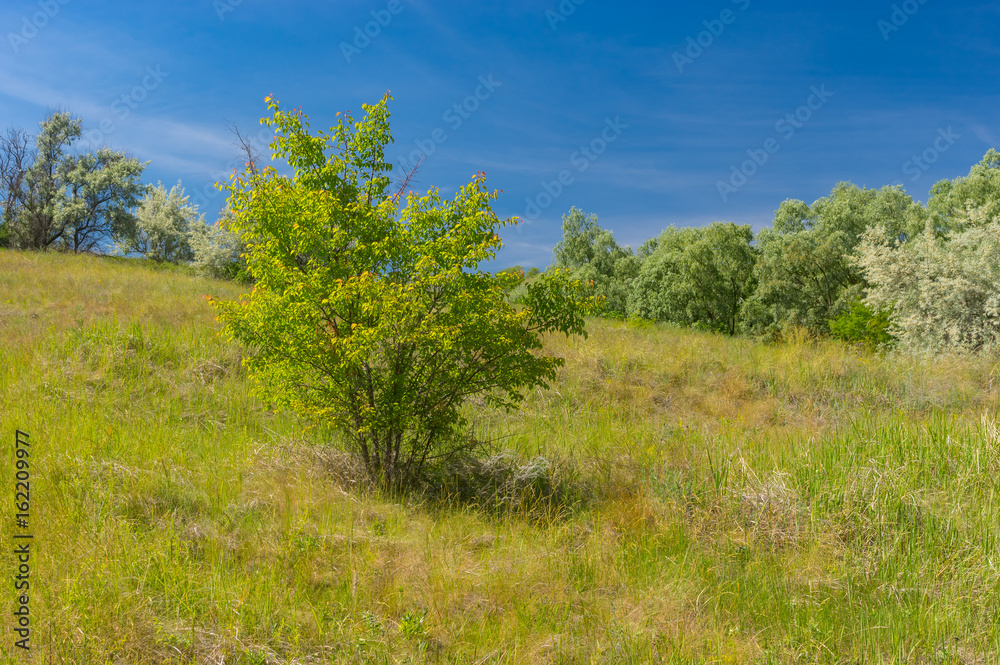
(247,148)
(407,179)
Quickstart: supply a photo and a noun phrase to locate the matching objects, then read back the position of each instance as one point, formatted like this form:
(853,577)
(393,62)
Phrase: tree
(944,293)
(949,198)
(720,263)
(164,222)
(805,274)
(661,290)
(696,277)
(38,225)
(15,155)
(218,251)
(72,201)
(96,207)
(592,255)
(373,315)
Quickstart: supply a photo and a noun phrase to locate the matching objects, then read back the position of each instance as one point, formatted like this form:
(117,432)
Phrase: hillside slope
(675,497)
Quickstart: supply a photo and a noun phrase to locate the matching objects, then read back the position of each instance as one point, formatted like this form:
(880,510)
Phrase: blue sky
(633,111)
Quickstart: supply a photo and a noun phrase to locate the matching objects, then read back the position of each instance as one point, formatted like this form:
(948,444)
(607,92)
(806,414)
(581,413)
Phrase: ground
(676,497)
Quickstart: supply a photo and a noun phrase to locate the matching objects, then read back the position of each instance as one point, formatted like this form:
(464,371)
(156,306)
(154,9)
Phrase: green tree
(696,276)
(592,255)
(373,315)
(949,198)
(661,290)
(74,201)
(164,223)
(805,273)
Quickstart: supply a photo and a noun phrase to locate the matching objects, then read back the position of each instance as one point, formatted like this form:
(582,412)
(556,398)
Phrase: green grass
(675,497)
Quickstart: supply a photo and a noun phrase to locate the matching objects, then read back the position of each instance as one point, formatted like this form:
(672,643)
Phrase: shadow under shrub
(503,484)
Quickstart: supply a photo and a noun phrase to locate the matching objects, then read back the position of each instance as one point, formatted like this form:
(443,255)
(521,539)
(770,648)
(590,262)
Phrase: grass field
(675,497)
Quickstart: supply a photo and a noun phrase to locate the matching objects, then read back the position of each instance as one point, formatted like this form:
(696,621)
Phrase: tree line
(53,196)
(864,265)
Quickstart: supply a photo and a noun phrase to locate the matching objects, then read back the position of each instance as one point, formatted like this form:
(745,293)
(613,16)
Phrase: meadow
(675,497)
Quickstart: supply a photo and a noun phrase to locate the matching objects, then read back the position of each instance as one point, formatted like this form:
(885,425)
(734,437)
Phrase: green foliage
(592,255)
(861,324)
(164,222)
(373,316)
(949,198)
(73,201)
(411,625)
(696,277)
(805,274)
(516,272)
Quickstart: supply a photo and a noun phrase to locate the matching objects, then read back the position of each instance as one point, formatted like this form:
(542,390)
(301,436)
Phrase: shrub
(374,316)
(863,325)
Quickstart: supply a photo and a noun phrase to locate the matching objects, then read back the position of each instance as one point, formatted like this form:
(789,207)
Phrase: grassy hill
(676,497)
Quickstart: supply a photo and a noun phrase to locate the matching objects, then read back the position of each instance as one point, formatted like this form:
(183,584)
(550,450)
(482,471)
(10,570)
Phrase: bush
(373,316)
(218,252)
(863,325)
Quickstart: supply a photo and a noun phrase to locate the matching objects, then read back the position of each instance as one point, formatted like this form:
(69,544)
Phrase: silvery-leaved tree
(218,252)
(164,223)
(370,311)
(949,199)
(943,292)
